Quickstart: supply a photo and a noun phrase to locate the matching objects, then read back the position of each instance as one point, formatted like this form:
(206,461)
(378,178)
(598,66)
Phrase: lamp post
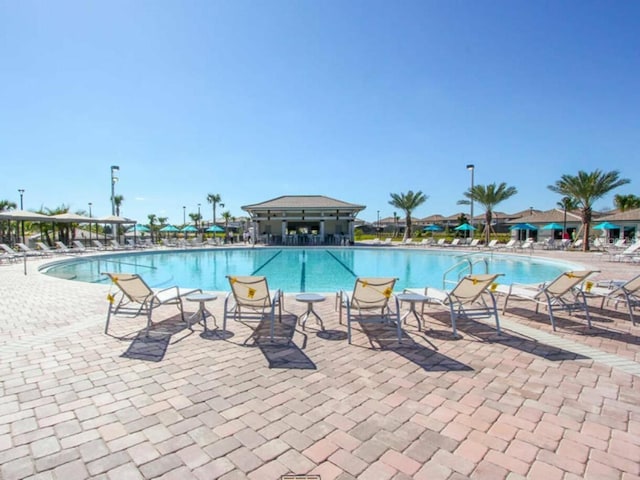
(114,178)
(184,215)
(90,222)
(198,220)
(21,192)
(378,224)
(472,168)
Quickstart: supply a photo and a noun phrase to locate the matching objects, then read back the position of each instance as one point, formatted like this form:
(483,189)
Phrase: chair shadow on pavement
(153,347)
(282,352)
(384,337)
(603,323)
(488,333)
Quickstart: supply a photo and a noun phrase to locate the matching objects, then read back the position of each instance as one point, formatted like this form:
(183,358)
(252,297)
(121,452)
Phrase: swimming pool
(303,269)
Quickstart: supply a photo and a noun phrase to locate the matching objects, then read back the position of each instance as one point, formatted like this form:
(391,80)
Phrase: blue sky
(349,99)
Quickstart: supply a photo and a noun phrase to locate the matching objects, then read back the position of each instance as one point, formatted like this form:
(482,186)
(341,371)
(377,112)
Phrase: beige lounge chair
(99,245)
(563,293)
(618,292)
(627,254)
(472,297)
(137,298)
(30,252)
(369,302)
(250,299)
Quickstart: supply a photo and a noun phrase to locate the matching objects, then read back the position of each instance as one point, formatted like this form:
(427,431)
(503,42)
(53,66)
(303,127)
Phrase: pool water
(305,269)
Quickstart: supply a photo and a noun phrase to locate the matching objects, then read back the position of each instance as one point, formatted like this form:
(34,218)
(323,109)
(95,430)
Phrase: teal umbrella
(523,226)
(606,226)
(432,227)
(138,228)
(169,228)
(214,229)
(189,228)
(465,227)
(552,226)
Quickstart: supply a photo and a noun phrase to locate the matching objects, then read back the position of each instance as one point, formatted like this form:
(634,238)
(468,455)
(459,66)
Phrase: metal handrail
(463,267)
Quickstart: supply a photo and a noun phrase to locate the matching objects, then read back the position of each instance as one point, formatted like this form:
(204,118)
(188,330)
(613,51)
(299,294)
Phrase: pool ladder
(464,267)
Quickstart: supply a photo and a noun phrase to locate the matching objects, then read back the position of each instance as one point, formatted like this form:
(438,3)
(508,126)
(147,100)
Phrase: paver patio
(532,403)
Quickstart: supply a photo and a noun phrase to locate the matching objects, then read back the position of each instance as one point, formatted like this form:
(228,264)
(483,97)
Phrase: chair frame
(561,294)
(145,300)
(244,307)
(619,292)
(460,301)
(378,303)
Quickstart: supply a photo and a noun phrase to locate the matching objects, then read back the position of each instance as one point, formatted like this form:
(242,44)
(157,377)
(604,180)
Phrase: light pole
(184,215)
(378,224)
(114,178)
(198,220)
(21,192)
(472,168)
(90,222)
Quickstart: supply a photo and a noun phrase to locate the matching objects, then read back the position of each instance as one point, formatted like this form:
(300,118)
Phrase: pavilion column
(321,232)
(284,231)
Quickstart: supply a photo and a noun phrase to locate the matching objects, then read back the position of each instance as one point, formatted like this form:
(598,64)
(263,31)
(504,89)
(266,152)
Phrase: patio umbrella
(552,226)
(189,229)
(464,227)
(138,228)
(606,226)
(214,229)
(432,227)
(169,228)
(523,226)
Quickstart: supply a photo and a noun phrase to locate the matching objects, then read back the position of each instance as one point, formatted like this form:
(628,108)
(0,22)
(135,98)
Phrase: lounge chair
(9,253)
(493,244)
(472,297)
(99,245)
(369,302)
(627,254)
(46,248)
(510,245)
(563,293)
(250,299)
(116,246)
(527,245)
(79,247)
(62,248)
(454,243)
(137,298)
(30,252)
(618,292)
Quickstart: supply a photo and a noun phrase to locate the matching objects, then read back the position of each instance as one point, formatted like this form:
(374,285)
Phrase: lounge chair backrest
(371,293)
(566,281)
(493,243)
(631,248)
(633,285)
(131,285)
(250,291)
(470,287)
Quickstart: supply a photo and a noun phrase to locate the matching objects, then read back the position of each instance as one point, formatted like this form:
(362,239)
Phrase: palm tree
(585,188)
(117,201)
(626,202)
(227,216)
(489,196)
(566,204)
(407,202)
(152,224)
(214,199)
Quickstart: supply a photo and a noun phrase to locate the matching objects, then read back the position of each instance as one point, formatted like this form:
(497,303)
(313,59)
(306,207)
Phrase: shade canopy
(169,228)
(606,226)
(464,226)
(189,228)
(553,226)
(523,226)
(24,215)
(71,218)
(432,227)
(114,219)
(138,228)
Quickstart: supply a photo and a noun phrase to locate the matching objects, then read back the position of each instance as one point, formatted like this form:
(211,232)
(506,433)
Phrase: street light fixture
(114,178)
(21,192)
(184,215)
(378,224)
(472,168)
(90,221)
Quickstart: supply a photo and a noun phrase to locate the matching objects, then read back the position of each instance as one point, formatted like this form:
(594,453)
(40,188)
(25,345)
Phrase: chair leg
(106,327)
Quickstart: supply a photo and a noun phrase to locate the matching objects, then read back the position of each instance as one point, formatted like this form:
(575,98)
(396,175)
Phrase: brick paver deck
(531,403)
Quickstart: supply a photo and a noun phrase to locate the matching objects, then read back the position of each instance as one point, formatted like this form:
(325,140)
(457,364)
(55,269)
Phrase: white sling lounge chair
(137,298)
(472,297)
(250,299)
(563,293)
(619,292)
(369,302)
